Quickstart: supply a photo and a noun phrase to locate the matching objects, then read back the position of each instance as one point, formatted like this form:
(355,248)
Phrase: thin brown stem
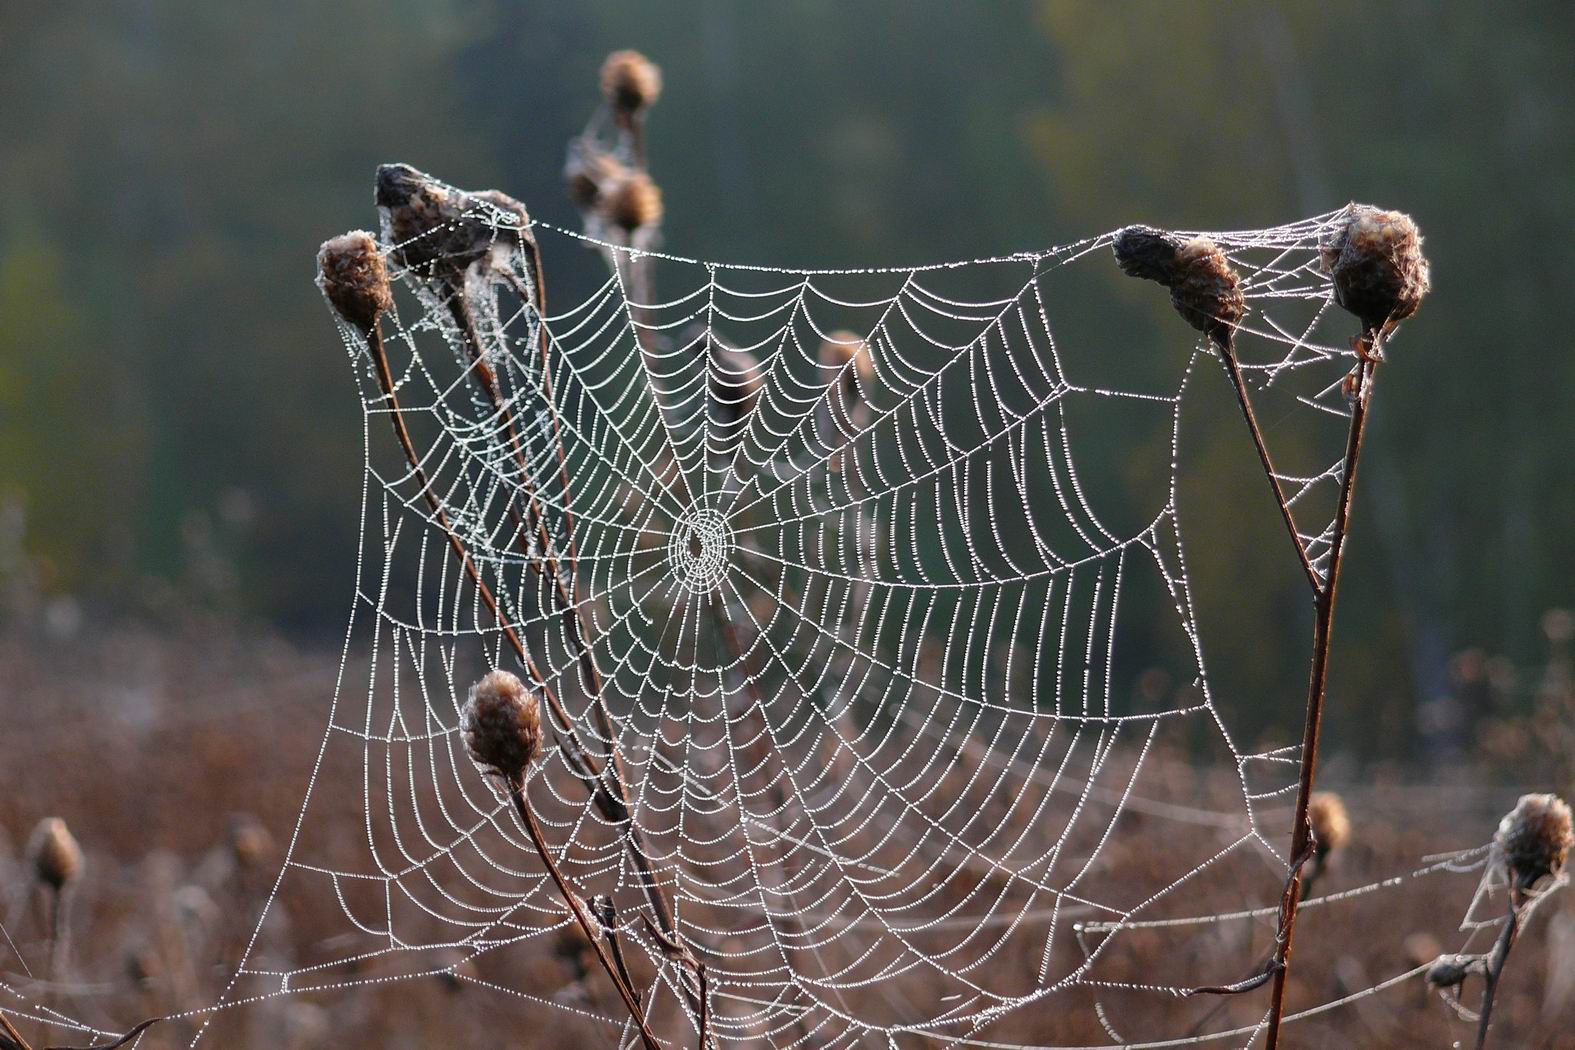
(1301,837)
(1495,967)
(12,1033)
(1228,354)
(577,907)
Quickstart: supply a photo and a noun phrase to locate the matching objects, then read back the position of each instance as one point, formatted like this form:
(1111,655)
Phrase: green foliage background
(169,377)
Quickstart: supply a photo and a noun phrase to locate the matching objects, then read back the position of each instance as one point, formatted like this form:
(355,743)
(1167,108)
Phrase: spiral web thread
(858,621)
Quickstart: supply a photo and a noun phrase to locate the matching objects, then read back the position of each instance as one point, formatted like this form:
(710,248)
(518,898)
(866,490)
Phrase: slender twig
(528,816)
(1495,966)
(1301,839)
(122,1041)
(12,1033)
(1228,354)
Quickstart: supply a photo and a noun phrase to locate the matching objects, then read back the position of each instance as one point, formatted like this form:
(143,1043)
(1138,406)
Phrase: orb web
(838,564)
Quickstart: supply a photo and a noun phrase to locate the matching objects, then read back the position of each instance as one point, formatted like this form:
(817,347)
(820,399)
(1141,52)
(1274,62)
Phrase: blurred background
(180,439)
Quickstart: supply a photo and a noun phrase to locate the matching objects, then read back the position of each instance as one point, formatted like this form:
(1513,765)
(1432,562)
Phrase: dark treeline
(178,425)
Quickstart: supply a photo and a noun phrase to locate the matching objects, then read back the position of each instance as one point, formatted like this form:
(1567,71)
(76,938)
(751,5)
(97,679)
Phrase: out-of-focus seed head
(1331,824)
(1533,839)
(840,347)
(632,202)
(589,172)
(1143,251)
(501,722)
(250,842)
(736,381)
(1206,290)
(630,82)
(57,859)
(352,274)
(1375,260)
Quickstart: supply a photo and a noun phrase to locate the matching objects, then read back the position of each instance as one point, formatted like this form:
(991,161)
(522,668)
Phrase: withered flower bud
(1204,287)
(437,230)
(250,842)
(57,859)
(1375,258)
(354,277)
(840,347)
(501,722)
(736,381)
(1533,840)
(1142,251)
(588,171)
(1331,824)
(633,202)
(630,82)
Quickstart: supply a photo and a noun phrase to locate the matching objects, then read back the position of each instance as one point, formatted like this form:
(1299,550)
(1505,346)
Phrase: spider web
(855,558)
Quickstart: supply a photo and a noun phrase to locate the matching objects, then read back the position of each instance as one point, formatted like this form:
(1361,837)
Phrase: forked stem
(1301,837)
(1495,967)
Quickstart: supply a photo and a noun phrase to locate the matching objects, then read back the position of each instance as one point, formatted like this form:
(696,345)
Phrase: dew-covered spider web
(874,584)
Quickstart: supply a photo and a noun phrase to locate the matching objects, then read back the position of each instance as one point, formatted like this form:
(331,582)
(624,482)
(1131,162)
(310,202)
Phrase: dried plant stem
(577,907)
(1228,353)
(12,1033)
(1301,839)
(1495,966)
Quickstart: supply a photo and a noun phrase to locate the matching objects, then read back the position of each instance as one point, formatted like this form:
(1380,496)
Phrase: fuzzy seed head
(57,859)
(1533,840)
(250,842)
(632,202)
(352,274)
(1143,251)
(843,346)
(1376,262)
(630,82)
(437,230)
(502,725)
(1330,822)
(1206,290)
(736,381)
(589,172)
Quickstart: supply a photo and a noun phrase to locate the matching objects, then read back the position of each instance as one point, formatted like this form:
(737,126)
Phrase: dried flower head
(1331,824)
(354,277)
(1142,251)
(632,202)
(1533,840)
(250,842)
(57,859)
(630,82)
(1375,258)
(1204,288)
(589,172)
(1450,971)
(437,230)
(502,725)
(840,347)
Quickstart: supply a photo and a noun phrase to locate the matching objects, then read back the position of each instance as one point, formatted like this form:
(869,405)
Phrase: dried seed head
(630,82)
(1450,971)
(57,859)
(437,230)
(1421,948)
(589,172)
(632,202)
(1330,822)
(354,277)
(1142,251)
(250,842)
(1205,289)
(1375,258)
(1533,840)
(840,347)
(502,725)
